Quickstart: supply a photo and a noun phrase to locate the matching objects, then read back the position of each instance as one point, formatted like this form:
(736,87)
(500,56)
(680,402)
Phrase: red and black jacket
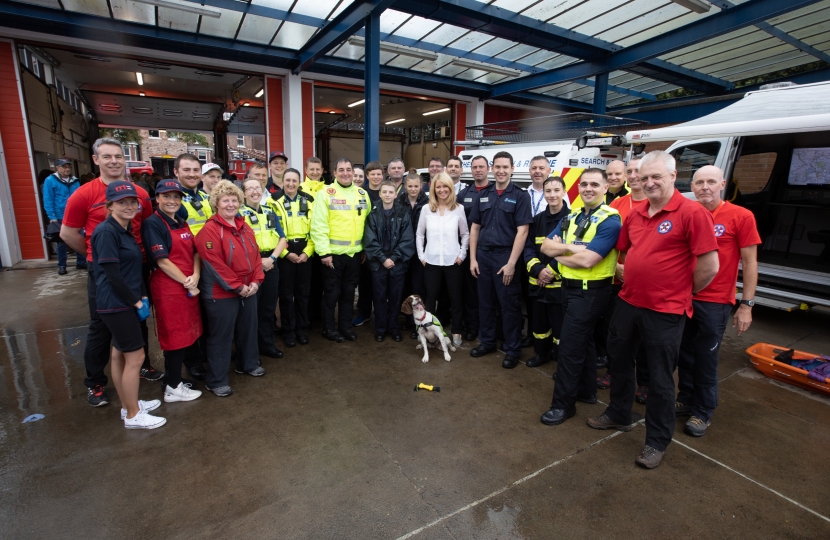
(230,258)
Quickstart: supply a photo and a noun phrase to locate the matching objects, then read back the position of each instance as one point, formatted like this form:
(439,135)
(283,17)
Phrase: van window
(690,159)
(753,171)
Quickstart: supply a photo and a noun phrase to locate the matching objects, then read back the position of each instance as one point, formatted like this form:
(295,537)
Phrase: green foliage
(193,139)
(781,74)
(124,135)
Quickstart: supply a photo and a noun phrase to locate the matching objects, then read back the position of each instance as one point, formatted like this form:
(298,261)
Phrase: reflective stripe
(340,207)
(540,239)
(543,336)
(341,242)
(531,263)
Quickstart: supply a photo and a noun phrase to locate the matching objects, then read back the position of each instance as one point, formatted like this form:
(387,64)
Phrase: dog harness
(433,322)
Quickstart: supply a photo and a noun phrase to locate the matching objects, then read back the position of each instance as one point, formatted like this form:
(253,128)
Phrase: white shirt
(537,201)
(458,187)
(441,233)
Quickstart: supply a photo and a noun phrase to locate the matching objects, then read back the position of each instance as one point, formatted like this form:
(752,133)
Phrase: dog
(430,331)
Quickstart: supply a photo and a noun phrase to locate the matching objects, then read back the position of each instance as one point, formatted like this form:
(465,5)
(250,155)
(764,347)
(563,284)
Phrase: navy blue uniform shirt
(112,243)
(156,237)
(468,197)
(500,216)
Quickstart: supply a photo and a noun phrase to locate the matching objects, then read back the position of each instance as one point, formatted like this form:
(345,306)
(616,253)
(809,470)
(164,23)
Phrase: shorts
(125,329)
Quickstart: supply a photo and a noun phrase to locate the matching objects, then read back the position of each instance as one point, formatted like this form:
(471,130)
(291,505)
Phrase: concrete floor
(334,443)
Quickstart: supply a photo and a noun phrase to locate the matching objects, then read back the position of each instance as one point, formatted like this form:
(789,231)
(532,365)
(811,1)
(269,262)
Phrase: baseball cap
(277,154)
(62,161)
(120,190)
(167,185)
(207,167)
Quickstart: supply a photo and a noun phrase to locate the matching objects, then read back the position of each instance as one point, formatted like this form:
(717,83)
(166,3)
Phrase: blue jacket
(55,194)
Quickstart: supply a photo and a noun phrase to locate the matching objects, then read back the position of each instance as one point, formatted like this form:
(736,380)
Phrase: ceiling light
(472,64)
(141,94)
(140,78)
(445,109)
(154,65)
(172,111)
(208,73)
(259,94)
(142,110)
(356,103)
(396,49)
(395,121)
(95,58)
(182,7)
(332,112)
(698,6)
(246,104)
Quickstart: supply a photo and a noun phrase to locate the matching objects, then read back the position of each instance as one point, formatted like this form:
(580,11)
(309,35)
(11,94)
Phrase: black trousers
(231,320)
(470,289)
(576,373)
(388,292)
(492,293)
(315,291)
(295,287)
(528,301)
(604,323)
(97,348)
(434,277)
(414,283)
(339,284)
(697,367)
(547,327)
(660,334)
(173,361)
(364,291)
(266,297)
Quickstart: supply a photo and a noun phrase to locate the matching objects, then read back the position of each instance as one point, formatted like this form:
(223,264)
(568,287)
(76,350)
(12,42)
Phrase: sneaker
(681,409)
(696,427)
(603,421)
(151,374)
(258,372)
(97,396)
(649,457)
(144,420)
(604,381)
(360,320)
(143,406)
(602,361)
(221,391)
(641,396)
(61,270)
(456,340)
(180,393)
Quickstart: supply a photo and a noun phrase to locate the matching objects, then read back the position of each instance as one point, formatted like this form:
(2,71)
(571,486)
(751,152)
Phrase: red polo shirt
(734,229)
(86,209)
(625,204)
(661,254)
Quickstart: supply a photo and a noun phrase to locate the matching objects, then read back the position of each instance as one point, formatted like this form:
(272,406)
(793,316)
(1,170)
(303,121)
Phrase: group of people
(637,272)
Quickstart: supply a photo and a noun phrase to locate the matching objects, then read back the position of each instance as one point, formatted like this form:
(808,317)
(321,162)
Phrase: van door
(692,155)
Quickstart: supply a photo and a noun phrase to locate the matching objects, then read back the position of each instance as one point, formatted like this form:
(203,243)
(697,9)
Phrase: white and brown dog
(430,331)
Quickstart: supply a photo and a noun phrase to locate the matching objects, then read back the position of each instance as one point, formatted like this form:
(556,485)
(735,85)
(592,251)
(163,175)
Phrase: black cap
(62,161)
(168,185)
(277,154)
(120,190)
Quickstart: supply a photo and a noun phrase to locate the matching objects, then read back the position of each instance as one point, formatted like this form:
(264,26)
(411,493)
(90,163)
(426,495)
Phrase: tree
(125,136)
(193,139)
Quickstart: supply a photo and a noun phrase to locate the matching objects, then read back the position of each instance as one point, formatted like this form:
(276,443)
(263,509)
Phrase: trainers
(221,391)
(97,396)
(696,427)
(456,340)
(681,409)
(603,421)
(61,270)
(649,457)
(144,420)
(602,361)
(604,381)
(180,393)
(641,396)
(143,406)
(151,374)
(258,372)
(360,320)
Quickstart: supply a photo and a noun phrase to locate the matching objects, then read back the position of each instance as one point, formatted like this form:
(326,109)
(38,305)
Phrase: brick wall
(752,172)
(160,147)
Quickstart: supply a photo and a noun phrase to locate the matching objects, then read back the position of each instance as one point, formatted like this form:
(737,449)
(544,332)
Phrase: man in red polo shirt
(738,240)
(85,210)
(670,253)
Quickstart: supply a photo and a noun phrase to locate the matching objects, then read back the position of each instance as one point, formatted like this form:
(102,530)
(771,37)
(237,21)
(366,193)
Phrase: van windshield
(690,159)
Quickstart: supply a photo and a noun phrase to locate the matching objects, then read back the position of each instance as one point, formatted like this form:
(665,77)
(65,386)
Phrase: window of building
(240,141)
(155,134)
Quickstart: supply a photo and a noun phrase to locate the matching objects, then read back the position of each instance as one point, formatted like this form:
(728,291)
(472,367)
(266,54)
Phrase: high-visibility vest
(607,266)
(264,224)
(338,219)
(311,186)
(197,217)
(295,217)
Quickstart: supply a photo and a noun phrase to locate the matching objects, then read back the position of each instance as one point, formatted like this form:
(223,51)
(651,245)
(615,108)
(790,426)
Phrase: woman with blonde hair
(443,225)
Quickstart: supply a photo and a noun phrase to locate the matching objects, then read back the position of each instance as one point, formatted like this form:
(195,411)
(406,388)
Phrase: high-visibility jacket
(198,210)
(265,224)
(607,266)
(295,217)
(338,219)
(311,186)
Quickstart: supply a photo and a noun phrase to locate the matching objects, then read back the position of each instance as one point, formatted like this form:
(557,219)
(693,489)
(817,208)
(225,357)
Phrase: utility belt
(587,283)
(496,249)
(297,245)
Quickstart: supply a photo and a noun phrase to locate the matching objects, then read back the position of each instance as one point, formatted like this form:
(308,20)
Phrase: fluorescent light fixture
(445,109)
(356,103)
(246,104)
(395,121)
(140,78)
(698,6)
(396,49)
(182,7)
(141,94)
(332,112)
(259,94)
(472,64)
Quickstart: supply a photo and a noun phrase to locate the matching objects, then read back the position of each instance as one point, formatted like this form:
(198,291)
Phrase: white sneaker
(180,393)
(143,406)
(456,340)
(144,420)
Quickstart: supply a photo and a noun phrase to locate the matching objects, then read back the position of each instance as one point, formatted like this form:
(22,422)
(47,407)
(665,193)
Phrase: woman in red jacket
(231,275)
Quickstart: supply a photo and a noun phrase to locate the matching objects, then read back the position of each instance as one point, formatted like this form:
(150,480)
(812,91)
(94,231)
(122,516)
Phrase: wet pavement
(334,443)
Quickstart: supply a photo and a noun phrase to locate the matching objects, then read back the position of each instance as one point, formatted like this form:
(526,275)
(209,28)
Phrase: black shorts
(125,329)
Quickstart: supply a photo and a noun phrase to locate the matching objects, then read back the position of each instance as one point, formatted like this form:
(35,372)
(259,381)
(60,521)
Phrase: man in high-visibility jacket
(195,202)
(313,176)
(583,245)
(340,212)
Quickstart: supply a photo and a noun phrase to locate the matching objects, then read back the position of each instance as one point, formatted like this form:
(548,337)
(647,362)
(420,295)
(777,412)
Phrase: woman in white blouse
(443,225)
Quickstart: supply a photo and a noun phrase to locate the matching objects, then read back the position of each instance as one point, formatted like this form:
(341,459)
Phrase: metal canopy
(546,52)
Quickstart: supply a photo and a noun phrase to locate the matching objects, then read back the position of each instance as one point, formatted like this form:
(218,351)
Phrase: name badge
(512,201)
(484,199)
(468,200)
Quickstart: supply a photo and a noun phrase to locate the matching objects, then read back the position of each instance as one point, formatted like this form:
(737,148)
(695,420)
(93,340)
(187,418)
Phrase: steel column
(371,84)
(600,93)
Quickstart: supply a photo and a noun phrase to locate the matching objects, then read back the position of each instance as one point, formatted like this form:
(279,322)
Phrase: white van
(774,147)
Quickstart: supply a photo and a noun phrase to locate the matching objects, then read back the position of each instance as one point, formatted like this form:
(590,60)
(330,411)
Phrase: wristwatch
(273,258)
(749,303)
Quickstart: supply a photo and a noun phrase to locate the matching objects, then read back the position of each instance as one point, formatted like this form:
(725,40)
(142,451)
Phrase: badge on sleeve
(664,227)
(361,191)
(209,245)
(331,191)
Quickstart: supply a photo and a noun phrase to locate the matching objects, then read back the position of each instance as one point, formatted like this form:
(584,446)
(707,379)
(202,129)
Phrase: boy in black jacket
(389,244)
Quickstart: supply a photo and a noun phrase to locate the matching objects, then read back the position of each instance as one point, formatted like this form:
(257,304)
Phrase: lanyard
(715,213)
(535,204)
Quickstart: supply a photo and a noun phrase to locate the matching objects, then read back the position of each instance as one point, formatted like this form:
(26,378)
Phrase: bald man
(616,181)
(738,240)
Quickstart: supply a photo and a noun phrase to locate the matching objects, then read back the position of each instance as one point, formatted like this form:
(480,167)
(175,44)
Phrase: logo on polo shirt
(719,230)
(209,245)
(664,227)
(513,201)
(331,191)
(157,247)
